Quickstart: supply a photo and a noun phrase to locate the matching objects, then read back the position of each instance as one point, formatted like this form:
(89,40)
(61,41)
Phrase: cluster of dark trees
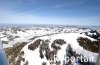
(57,43)
(13,52)
(95,34)
(89,45)
(35,45)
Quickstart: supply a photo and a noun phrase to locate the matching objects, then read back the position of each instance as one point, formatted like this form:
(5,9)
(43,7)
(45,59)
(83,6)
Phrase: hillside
(50,45)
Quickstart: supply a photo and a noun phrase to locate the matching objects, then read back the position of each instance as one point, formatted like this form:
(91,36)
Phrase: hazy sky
(75,12)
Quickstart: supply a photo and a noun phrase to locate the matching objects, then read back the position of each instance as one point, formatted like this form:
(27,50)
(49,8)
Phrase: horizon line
(47,24)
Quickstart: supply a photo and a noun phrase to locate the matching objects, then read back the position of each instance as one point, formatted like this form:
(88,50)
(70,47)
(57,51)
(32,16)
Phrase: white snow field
(12,36)
(71,38)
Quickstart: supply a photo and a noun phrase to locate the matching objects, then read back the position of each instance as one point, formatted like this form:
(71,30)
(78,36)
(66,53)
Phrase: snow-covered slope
(11,36)
(47,45)
(32,56)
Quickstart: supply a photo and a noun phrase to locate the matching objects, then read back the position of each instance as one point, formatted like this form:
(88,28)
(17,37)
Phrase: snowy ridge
(47,45)
(11,36)
(33,56)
